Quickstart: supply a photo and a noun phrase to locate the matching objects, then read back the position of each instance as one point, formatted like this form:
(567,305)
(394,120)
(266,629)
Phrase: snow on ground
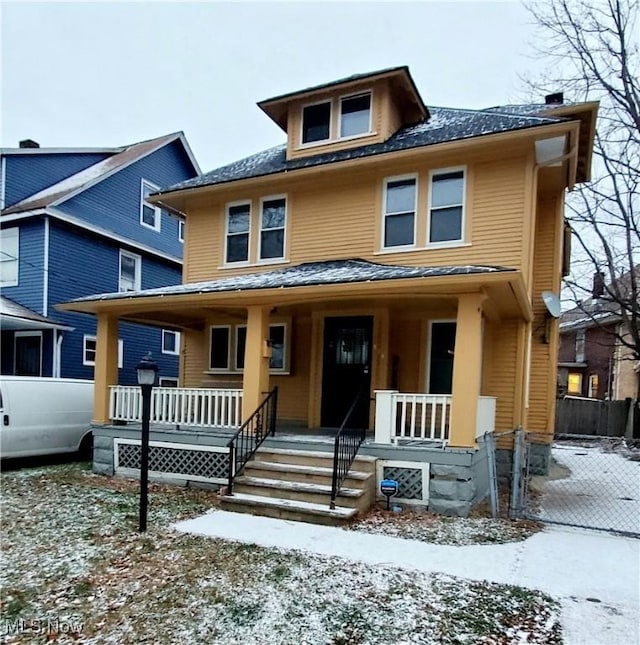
(595,576)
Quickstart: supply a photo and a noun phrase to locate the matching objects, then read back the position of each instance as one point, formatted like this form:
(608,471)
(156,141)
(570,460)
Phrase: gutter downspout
(45,270)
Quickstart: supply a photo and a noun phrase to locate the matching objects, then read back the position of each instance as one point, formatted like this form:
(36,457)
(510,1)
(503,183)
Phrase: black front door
(346,371)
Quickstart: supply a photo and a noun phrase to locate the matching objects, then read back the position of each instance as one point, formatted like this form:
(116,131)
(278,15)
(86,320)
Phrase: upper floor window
(149,213)
(89,351)
(273,216)
(238,225)
(399,212)
(355,115)
(580,337)
(9,256)
(170,342)
(130,271)
(181,230)
(446,209)
(316,122)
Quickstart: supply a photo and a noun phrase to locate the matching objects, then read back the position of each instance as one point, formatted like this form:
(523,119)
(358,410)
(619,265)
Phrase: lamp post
(147,369)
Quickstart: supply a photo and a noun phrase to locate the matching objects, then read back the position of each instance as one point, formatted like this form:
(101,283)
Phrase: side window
(130,271)
(446,208)
(219,347)
(9,256)
(170,342)
(181,230)
(89,351)
(316,122)
(238,226)
(273,219)
(399,212)
(277,340)
(150,215)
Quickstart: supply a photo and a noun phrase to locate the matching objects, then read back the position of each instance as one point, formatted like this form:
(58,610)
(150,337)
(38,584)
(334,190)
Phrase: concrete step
(302,473)
(287,509)
(363,463)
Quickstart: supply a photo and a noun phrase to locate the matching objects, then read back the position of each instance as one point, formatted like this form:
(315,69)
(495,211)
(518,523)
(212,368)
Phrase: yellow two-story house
(384,268)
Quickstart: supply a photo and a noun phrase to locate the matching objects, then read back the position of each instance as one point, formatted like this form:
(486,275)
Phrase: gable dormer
(348,113)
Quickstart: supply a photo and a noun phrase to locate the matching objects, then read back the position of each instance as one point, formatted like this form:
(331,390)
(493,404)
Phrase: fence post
(490,443)
(515,510)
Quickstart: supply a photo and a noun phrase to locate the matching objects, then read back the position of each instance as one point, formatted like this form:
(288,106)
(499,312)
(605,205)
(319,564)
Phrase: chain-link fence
(577,481)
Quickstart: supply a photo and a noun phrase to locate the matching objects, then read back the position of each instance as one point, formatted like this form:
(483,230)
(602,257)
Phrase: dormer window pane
(355,115)
(316,122)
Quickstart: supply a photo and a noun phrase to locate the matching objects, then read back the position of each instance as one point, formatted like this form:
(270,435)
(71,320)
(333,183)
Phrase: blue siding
(82,264)
(114,203)
(29,290)
(27,174)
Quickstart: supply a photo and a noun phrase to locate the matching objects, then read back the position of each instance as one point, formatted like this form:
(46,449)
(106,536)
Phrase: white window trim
(234,368)
(269,198)
(26,334)
(3,233)
(230,344)
(427,376)
(346,97)
(385,183)
(592,392)
(311,144)
(228,205)
(138,276)
(181,230)
(88,363)
(162,381)
(177,337)
(462,240)
(144,202)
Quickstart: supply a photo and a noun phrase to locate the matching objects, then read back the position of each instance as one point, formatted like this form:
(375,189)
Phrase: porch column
(256,360)
(106,368)
(467,369)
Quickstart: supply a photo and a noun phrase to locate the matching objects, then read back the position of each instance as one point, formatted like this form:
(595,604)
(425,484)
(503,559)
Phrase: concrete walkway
(596,577)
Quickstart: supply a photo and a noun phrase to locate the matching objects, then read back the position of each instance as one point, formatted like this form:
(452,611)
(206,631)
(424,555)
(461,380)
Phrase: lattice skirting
(412,478)
(175,460)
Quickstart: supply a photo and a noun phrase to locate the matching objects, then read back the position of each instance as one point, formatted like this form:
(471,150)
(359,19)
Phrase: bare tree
(591,47)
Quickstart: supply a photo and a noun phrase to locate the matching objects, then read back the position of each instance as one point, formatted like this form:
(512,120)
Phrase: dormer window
(355,115)
(316,122)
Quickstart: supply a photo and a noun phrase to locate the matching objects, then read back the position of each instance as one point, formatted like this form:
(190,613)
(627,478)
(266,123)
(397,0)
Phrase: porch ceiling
(320,284)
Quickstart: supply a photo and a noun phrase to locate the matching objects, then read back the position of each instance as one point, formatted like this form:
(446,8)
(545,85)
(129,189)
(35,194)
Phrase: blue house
(75,222)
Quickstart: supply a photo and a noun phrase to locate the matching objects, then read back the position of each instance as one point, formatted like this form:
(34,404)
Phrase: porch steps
(296,485)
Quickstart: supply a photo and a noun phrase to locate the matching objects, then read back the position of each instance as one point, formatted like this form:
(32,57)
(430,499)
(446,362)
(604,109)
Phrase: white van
(42,416)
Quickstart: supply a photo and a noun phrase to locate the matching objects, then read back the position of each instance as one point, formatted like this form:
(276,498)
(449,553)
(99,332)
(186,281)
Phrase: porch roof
(15,317)
(295,284)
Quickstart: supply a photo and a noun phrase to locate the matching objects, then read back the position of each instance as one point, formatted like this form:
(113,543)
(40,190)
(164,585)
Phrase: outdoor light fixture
(147,370)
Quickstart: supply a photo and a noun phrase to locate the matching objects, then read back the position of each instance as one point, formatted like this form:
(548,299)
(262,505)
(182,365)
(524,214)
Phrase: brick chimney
(597,290)
(554,99)
(28,143)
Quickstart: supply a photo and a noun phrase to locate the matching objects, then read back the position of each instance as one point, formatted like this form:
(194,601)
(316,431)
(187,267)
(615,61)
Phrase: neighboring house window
(181,230)
(238,225)
(574,384)
(273,217)
(168,382)
(446,209)
(89,351)
(9,256)
(170,342)
(316,122)
(149,213)
(27,353)
(399,212)
(580,335)
(219,347)
(130,270)
(277,341)
(593,386)
(355,115)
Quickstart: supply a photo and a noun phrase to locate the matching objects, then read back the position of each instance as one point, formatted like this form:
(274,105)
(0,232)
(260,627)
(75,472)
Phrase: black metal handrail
(251,434)
(345,448)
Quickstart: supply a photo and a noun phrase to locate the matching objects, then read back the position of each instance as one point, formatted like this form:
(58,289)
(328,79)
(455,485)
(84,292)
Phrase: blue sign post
(389,488)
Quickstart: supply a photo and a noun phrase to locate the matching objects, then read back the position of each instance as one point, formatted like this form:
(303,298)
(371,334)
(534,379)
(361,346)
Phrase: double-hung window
(220,347)
(238,226)
(316,122)
(150,214)
(273,219)
(355,115)
(277,342)
(130,271)
(446,208)
(399,212)
(9,256)
(89,351)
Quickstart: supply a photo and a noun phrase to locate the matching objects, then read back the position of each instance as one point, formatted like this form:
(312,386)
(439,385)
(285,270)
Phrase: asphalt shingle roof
(445,124)
(307,274)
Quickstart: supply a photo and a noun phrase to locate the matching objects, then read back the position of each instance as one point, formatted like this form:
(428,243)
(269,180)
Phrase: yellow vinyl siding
(407,351)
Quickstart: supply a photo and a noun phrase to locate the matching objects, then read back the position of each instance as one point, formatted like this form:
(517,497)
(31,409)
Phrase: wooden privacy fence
(592,417)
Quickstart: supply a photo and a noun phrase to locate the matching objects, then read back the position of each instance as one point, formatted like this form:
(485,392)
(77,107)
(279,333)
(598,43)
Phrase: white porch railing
(198,407)
(424,417)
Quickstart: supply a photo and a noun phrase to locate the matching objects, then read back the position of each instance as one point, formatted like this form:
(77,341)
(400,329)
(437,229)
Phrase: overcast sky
(89,74)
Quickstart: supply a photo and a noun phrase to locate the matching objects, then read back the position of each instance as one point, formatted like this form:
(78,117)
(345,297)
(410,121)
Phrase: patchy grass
(75,570)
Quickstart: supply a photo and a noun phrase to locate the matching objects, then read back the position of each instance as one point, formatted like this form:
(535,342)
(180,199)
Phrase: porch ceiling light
(147,369)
